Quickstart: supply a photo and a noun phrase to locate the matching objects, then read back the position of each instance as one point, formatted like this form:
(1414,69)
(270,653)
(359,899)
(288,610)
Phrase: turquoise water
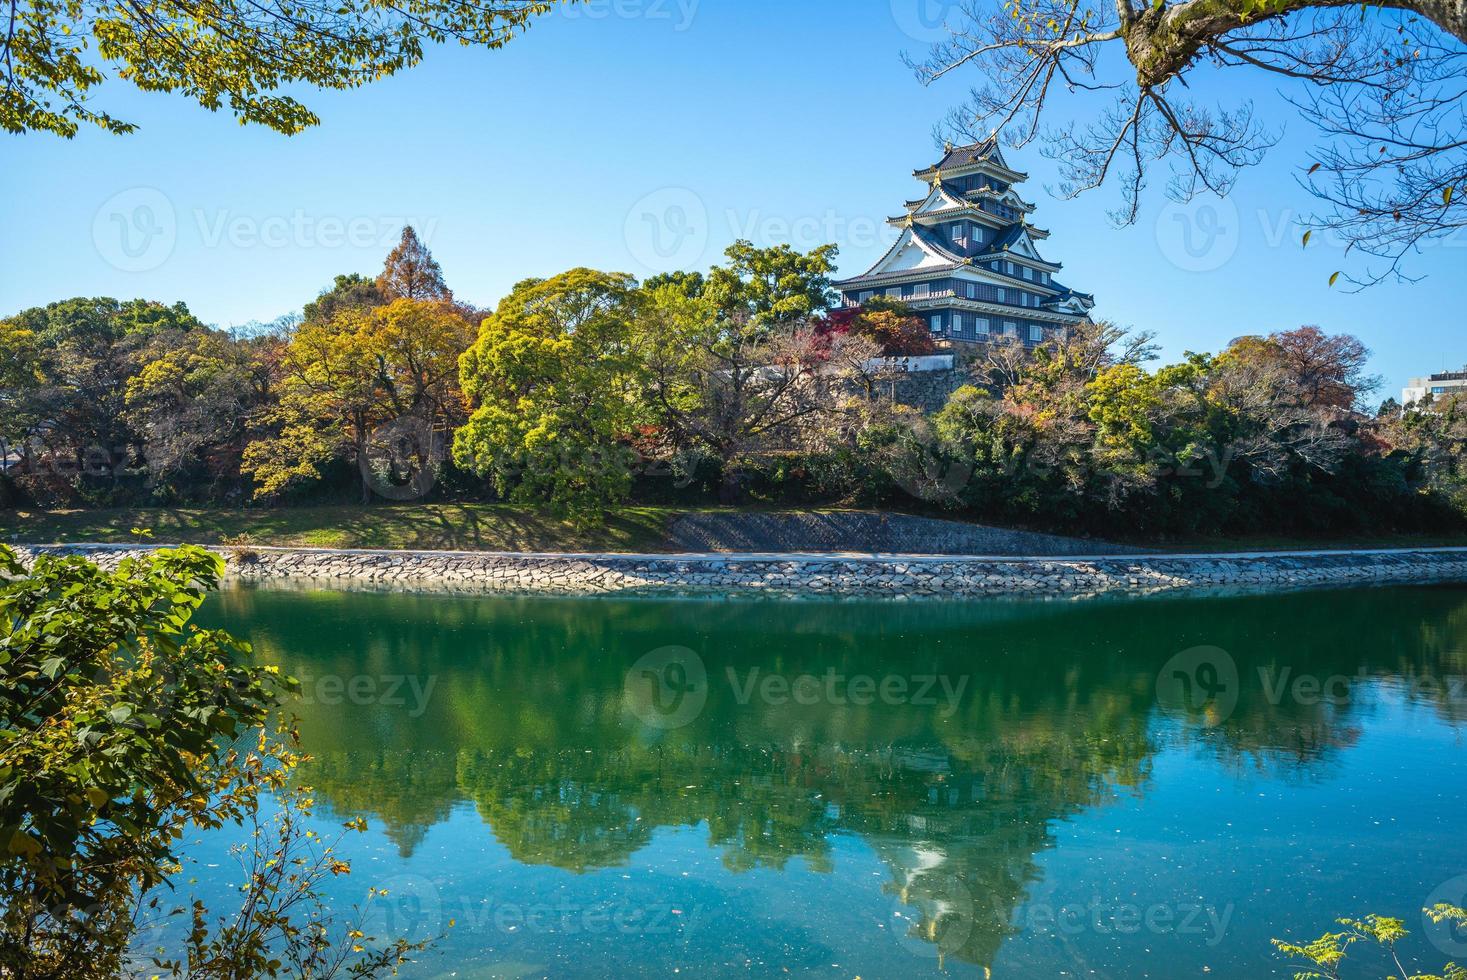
(1089,789)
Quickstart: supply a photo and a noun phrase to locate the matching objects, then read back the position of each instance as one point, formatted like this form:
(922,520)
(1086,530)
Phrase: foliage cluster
(587,389)
(122,727)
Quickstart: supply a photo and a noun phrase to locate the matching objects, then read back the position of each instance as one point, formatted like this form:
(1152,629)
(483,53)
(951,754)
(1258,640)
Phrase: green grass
(489,527)
(468,527)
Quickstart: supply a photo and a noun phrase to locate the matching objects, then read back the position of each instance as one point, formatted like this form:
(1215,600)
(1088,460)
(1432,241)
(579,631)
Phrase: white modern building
(1445,383)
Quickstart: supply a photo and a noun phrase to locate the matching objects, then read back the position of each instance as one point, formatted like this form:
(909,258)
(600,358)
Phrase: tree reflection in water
(526,719)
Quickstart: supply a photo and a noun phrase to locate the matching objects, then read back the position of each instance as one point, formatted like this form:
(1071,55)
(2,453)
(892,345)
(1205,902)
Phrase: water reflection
(950,739)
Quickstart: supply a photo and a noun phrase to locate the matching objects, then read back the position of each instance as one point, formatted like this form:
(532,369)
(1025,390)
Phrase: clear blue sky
(698,120)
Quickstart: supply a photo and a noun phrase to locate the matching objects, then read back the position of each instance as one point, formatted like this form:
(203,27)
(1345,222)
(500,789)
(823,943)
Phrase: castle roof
(984,155)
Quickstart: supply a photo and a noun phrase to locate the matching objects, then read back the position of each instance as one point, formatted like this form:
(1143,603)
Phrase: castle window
(957,323)
(1002,294)
(936,323)
(921,289)
(1036,333)
(1010,328)
(1028,273)
(980,325)
(958,233)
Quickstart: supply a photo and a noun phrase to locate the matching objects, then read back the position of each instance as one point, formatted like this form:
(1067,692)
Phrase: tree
(896,332)
(552,376)
(22,382)
(234,53)
(345,378)
(688,283)
(1383,88)
(83,352)
(191,401)
(122,727)
(772,287)
(1312,369)
(1320,959)
(350,291)
(723,385)
(411,272)
(1329,370)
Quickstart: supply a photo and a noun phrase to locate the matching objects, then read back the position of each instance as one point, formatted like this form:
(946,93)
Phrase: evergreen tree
(411,272)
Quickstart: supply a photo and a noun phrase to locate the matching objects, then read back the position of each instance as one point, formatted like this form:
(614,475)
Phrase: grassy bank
(492,527)
(468,527)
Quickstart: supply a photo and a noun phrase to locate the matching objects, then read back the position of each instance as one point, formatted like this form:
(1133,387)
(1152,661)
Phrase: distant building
(966,259)
(1445,383)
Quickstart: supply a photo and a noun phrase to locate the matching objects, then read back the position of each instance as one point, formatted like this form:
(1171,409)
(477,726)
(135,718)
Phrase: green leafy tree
(772,287)
(729,387)
(123,726)
(349,291)
(233,55)
(86,349)
(553,379)
(1322,958)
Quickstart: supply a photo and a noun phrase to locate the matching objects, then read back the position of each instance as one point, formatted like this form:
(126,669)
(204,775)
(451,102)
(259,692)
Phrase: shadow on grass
(462,527)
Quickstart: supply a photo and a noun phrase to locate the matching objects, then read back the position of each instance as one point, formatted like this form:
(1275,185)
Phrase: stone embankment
(793,575)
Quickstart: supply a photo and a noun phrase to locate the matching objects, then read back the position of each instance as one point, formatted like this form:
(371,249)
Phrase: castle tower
(966,260)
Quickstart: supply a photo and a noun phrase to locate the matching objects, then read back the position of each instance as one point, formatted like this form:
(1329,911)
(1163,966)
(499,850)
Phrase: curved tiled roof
(963,156)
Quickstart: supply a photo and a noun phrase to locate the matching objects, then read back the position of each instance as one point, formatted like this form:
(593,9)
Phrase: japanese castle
(966,259)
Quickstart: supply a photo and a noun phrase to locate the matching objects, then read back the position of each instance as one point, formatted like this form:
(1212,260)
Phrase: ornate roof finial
(947,147)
